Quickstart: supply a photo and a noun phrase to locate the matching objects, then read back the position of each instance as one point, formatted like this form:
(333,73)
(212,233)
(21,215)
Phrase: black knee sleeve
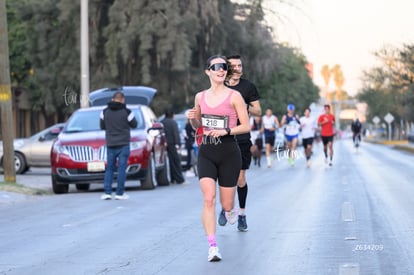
(242,195)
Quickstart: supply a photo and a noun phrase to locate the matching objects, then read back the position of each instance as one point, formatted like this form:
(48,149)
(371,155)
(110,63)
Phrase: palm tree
(338,79)
(326,74)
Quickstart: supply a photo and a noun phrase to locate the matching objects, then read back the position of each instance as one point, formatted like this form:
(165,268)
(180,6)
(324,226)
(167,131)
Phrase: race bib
(293,125)
(214,122)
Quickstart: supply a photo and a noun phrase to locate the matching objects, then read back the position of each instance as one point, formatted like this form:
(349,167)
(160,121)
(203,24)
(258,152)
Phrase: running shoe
(242,224)
(308,163)
(106,197)
(222,220)
(326,160)
(122,197)
(330,163)
(269,162)
(231,216)
(214,254)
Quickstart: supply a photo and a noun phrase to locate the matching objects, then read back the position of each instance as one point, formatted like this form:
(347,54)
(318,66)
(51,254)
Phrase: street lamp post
(84,49)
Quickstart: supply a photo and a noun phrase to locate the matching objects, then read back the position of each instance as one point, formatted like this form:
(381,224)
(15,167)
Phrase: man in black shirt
(356,128)
(117,121)
(250,95)
(172,135)
(189,143)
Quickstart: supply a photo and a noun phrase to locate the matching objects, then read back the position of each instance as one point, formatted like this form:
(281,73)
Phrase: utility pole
(84,49)
(7,127)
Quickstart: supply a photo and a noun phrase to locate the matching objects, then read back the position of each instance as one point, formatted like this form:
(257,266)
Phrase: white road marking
(349,269)
(348,212)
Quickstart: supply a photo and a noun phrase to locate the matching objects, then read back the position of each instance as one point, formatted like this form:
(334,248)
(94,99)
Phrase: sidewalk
(402,145)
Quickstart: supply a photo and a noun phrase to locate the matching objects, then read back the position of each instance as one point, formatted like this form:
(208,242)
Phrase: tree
(158,43)
(339,80)
(326,75)
(53,55)
(290,83)
(20,65)
(389,88)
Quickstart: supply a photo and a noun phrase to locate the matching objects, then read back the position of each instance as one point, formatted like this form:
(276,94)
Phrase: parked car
(78,155)
(410,136)
(133,95)
(33,151)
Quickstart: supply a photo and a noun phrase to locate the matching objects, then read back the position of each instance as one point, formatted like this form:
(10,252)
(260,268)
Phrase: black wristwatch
(228,130)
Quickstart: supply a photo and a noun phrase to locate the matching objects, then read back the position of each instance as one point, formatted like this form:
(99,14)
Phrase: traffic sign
(376,120)
(389,118)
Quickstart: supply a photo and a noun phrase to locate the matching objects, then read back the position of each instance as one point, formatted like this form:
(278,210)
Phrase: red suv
(78,154)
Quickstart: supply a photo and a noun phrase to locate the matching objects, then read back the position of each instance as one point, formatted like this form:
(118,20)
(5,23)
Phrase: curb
(406,148)
(402,145)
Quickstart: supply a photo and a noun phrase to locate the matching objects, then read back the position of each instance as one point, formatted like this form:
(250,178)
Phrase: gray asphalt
(352,218)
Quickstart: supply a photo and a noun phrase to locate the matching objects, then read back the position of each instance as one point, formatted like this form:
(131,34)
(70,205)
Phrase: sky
(344,32)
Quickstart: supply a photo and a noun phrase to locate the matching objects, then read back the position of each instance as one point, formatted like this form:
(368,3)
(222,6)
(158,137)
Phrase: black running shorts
(307,141)
(326,139)
(270,140)
(246,154)
(220,160)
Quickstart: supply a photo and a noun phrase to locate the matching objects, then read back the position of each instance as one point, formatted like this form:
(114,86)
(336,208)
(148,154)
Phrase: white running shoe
(232,216)
(106,197)
(122,197)
(269,162)
(190,174)
(308,163)
(214,254)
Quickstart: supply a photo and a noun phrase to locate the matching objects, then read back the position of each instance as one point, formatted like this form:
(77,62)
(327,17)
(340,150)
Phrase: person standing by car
(251,98)
(308,126)
(189,143)
(172,134)
(117,120)
(327,121)
(216,111)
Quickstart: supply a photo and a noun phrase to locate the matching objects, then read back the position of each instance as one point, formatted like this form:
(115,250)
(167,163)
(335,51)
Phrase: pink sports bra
(214,117)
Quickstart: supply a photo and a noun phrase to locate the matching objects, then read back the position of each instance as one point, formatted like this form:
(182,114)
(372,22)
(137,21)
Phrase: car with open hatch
(78,155)
(133,95)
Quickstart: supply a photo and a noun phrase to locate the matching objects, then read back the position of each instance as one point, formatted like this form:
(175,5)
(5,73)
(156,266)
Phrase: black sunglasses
(218,66)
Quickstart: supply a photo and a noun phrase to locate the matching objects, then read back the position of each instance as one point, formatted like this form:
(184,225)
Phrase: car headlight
(18,143)
(60,149)
(134,145)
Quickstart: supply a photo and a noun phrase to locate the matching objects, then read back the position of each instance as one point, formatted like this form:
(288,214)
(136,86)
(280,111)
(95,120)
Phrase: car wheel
(163,174)
(149,182)
(19,163)
(59,188)
(82,186)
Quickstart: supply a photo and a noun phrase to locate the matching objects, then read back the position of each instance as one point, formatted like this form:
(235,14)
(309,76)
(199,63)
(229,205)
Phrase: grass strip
(21,189)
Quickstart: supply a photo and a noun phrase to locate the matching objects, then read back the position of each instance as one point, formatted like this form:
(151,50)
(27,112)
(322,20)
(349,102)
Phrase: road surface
(352,218)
